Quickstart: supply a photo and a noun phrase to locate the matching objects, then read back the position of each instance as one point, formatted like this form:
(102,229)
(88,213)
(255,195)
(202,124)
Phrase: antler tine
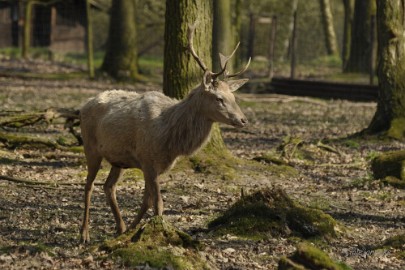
(224,59)
(240,72)
(190,35)
(224,62)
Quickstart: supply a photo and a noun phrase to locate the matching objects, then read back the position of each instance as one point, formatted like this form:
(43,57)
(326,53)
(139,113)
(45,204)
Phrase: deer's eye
(220,100)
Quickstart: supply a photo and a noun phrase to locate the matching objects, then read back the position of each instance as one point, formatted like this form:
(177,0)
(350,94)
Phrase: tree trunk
(89,41)
(287,42)
(27,29)
(181,72)
(121,60)
(390,114)
(329,31)
(360,42)
(347,31)
(222,32)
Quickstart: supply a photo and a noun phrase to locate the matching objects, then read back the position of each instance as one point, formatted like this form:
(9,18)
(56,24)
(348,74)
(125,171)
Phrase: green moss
(397,128)
(134,174)
(278,165)
(308,256)
(313,257)
(31,248)
(352,144)
(157,244)
(310,222)
(389,164)
(395,182)
(270,212)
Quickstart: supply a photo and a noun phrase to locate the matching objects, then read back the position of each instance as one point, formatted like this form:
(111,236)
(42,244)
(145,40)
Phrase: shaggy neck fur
(185,129)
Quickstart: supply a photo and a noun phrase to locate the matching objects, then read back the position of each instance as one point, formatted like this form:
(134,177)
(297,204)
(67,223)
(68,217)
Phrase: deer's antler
(224,61)
(190,36)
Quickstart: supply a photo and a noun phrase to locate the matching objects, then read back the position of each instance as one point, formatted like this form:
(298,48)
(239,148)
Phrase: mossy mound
(390,167)
(309,257)
(157,244)
(270,212)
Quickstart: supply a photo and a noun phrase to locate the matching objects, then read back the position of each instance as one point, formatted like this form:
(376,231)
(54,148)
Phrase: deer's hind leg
(151,197)
(110,188)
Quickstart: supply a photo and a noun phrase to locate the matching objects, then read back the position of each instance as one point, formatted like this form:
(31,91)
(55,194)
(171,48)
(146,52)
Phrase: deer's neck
(185,128)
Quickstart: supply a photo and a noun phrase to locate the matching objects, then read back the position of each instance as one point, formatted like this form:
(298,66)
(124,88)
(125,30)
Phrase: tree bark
(89,41)
(180,71)
(27,30)
(222,32)
(121,60)
(347,31)
(329,31)
(360,41)
(390,114)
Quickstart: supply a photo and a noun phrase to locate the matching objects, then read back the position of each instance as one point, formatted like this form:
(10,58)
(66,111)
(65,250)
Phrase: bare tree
(329,30)
(121,58)
(347,30)
(359,59)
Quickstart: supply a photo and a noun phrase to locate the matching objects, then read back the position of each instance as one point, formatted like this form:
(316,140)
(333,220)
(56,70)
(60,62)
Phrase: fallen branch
(21,119)
(41,183)
(13,141)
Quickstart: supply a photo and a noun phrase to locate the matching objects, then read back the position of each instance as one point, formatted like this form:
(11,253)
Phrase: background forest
(315,181)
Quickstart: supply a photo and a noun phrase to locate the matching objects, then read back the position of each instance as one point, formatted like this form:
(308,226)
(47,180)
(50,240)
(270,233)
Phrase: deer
(150,131)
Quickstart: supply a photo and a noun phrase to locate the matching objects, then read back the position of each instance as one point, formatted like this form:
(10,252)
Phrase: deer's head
(219,103)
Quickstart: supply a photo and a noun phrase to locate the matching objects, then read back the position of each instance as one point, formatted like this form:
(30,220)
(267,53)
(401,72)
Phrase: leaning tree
(390,114)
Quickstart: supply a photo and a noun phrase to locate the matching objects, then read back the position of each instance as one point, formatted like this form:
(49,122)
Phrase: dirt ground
(39,224)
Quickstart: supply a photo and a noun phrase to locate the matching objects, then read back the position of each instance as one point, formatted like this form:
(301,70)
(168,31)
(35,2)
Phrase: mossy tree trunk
(347,31)
(181,71)
(329,30)
(222,41)
(121,59)
(390,114)
(359,59)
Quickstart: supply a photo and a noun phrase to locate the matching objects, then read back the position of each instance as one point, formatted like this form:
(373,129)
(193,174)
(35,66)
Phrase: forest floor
(39,224)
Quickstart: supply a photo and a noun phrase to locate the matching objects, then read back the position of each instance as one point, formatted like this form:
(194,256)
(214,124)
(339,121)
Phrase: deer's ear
(236,84)
(207,80)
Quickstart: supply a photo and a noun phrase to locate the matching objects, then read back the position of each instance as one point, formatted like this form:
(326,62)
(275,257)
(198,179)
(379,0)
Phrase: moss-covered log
(390,167)
(309,257)
(18,120)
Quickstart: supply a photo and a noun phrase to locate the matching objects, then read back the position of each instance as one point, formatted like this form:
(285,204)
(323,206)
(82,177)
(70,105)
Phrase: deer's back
(120,125)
